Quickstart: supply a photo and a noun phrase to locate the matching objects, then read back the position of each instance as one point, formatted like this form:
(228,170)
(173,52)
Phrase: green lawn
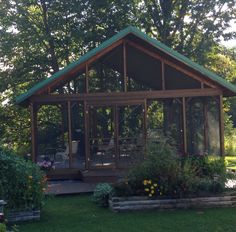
(79,214)
(231,162)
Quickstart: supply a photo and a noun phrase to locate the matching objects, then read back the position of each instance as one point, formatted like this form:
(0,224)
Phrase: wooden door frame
(113,105)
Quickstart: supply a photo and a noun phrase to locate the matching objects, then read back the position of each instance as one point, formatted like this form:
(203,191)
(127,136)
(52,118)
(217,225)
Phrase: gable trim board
(117,39)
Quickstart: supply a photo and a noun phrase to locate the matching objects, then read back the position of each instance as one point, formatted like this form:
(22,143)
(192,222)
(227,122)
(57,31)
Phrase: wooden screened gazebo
(100,111)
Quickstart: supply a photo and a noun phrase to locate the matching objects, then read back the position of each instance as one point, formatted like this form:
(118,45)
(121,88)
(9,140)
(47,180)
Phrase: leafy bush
(174,175)
(123,189)
(22,183)
(102,193)
(3,227)
(161,166)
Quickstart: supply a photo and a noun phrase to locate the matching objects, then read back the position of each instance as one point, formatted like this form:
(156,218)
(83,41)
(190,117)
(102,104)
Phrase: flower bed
(22,186)
(19,216)
(124,204)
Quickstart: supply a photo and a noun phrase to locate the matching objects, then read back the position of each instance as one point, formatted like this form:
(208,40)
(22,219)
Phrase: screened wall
(103,113)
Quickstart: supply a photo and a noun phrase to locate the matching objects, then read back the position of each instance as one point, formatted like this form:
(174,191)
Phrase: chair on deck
(62,155)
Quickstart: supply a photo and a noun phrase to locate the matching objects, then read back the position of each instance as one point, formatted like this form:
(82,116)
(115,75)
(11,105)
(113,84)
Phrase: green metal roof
(214,77)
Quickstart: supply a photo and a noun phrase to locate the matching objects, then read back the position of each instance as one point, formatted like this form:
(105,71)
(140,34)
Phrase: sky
(231,43)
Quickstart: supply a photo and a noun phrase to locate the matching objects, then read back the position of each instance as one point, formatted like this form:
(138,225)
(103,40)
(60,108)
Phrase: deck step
(64,174)
(102,176)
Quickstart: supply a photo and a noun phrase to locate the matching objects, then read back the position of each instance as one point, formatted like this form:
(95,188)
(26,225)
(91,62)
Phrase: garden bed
(123,204)
(19,216)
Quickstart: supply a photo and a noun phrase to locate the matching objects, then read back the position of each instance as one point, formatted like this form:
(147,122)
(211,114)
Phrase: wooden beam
(145,127)
(126,96)
(221,121)
(80,67)
(33,119)
(116,122)
(170,63)
(184,126)
(124,66)
(86,135)
(205,125)
(163,75)
(69,132)
(86,78)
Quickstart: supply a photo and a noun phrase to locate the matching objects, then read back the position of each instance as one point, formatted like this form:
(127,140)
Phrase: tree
(189,26)
(38,37)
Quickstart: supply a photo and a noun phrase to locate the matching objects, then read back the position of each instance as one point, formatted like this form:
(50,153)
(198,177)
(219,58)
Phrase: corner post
(69,132)
(125,66)
(86,78)
(206,126)
(86,134)
(33,119)
(221,121)
(184,125)
(163,75)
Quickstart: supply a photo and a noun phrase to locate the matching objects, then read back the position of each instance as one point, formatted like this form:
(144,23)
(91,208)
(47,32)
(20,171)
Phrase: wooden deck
(81,182)
(68,187)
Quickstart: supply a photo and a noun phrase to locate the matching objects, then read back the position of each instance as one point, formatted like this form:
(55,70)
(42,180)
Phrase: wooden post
(33,116)
(116,122)
(69,132)
(86,78)
(125,66)
(145,127)
(163,75)
(205,125)
(221,121)
(184,125)
(86,135)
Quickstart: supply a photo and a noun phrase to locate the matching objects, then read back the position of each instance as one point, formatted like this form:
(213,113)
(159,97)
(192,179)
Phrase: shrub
(102,193)
(161,166)
(3,227)
(174,175)
(123,189)
(22,183)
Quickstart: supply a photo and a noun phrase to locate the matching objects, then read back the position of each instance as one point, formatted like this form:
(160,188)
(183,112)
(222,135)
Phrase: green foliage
(3,227)
(123,189)
(22,184)
(102,193)
(39,37)
(161,166)
(230,143)
(174,175)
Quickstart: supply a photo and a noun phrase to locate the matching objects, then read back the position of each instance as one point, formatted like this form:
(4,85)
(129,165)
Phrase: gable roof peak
(120,35)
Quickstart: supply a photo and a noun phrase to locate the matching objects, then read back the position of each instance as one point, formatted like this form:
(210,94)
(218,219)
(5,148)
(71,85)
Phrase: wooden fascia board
(127,96)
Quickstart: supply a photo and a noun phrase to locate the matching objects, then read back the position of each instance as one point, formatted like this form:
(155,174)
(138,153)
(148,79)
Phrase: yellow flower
(146,189)
(152,187)
(150,195)
(152,192)
(150,182)
(145,182)
(155,184)
(30,177)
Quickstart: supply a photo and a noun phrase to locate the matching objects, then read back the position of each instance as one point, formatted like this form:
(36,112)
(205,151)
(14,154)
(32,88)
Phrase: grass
(231,162)
(79,214)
